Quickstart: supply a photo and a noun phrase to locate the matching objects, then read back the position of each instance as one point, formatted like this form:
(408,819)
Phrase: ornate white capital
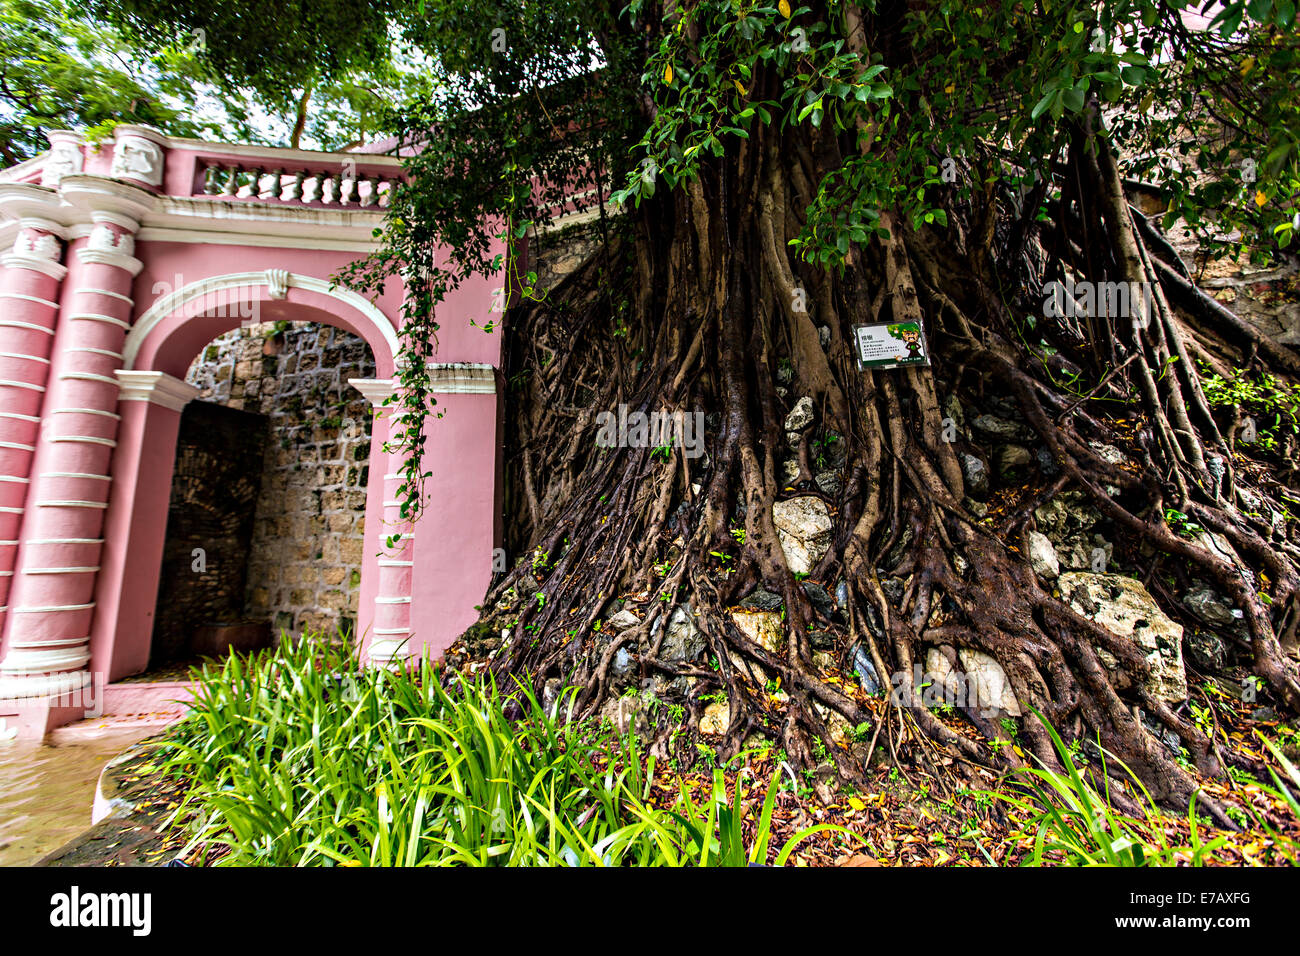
(36,247)
(65,156)
(137,155)
(112,241)
(156,387)
(376,390)
(104,237)
(35,240)
(277,283)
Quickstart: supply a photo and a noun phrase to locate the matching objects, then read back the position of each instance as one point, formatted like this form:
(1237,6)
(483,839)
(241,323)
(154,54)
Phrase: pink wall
(455,536)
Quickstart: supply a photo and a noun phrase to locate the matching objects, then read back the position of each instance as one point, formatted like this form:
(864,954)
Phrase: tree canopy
(90,67)
(61,70)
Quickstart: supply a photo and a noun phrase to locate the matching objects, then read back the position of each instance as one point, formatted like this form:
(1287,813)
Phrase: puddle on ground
(47,791)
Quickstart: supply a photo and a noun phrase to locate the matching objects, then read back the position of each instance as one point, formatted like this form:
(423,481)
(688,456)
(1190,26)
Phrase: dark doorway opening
(218,475)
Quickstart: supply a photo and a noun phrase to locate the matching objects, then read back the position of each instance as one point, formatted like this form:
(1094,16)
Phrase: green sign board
(890,345)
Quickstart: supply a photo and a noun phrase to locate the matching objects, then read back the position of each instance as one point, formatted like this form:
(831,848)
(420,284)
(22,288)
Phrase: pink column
(52,602)
(390,632)
(135,527)
(29,292)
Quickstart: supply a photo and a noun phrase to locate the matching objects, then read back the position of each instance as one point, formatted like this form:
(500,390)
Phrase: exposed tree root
(714,318)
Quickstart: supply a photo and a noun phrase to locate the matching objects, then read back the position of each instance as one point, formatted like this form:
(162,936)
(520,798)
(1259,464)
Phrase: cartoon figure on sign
(912,342)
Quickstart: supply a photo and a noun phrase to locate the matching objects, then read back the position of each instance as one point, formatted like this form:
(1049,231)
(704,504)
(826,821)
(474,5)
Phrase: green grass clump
(303,758)
(1074,824)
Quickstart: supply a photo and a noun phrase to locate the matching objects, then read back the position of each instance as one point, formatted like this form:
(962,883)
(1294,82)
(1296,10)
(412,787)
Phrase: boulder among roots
(978,682)
(804,528)
(1125,608)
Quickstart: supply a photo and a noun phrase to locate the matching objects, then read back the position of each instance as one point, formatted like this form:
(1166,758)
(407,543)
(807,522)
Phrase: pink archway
(169,244)
(164,343)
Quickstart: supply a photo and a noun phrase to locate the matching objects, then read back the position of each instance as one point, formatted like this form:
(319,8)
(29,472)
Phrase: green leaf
(1133,75)
(1047,100)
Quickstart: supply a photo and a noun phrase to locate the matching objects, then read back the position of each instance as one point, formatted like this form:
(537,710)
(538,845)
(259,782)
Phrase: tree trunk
(695,304)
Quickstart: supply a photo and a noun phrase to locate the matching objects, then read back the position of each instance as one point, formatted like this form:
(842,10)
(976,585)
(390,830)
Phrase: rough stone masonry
(305,556)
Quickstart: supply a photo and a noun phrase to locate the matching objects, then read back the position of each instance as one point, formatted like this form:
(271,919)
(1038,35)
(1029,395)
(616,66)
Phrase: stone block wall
(304,565)
(553,255)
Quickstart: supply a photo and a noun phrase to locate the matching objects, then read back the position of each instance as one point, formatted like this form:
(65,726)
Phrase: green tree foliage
(520,92)
(61,70)
(275,48)
(331,67)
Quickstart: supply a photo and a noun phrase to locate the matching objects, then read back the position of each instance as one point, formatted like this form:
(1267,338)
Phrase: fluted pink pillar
(390,636)
(29,293)
(51,603)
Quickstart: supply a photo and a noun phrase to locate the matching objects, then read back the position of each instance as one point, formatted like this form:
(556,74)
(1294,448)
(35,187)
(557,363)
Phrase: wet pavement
(47,789)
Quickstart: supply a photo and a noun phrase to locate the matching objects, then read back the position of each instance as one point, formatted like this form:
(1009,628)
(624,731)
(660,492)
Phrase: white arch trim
(276,281)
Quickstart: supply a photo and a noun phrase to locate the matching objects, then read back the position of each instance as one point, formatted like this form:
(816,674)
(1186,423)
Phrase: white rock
(627,714)
(1007,458)
(801,416)
(952,408)
(621,621)
(715,719)
(1069,512)
(1125,608)
(684,640)
(1218,546)
(803,526)
(1210,606)
(1042,556)
(989,684)
(829,482)
(940,670)
(1107,453)
(996,427)
(1082,552)
(840,729)
(983,687)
